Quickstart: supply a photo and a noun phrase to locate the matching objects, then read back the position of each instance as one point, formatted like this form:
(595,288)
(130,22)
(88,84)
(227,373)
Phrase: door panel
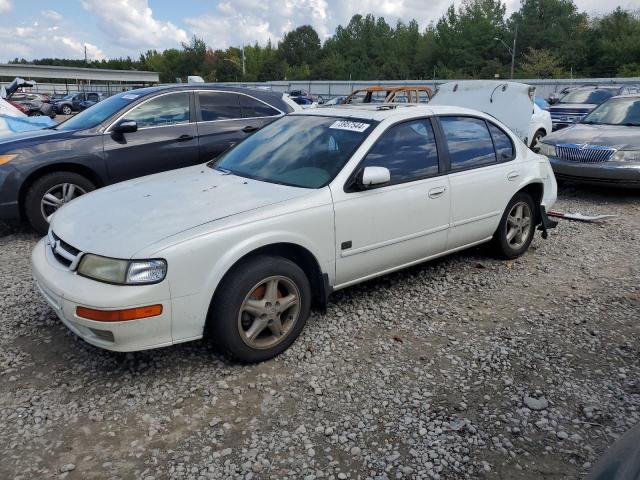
(389,227)
(165,139)
(479,182)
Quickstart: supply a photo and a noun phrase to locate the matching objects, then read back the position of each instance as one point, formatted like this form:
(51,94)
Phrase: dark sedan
(128,135)
(580,101)
(603,148)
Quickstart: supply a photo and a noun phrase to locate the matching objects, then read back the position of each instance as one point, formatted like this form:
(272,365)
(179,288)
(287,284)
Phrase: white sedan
(238,249)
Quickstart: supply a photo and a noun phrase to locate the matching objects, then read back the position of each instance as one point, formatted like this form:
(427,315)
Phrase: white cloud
(130,24)
(51,15)
(38,41)
(5,6)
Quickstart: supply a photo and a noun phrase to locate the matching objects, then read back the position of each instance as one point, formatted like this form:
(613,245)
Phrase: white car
(238,249)
(540,126)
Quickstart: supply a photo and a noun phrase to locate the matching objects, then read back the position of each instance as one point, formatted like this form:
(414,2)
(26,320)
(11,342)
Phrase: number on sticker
(349,125)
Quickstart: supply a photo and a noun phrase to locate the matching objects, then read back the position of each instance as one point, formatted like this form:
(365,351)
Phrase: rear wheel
(51,192)
(517,226)
(66,110)
(260,308)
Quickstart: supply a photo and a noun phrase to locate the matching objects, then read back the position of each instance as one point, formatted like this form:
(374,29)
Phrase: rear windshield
(588,96)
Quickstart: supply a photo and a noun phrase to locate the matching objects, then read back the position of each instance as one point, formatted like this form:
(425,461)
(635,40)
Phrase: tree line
(553,40)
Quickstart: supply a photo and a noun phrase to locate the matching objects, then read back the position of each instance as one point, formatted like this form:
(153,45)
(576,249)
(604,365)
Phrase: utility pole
(513,51)
(244,71)
(85,53)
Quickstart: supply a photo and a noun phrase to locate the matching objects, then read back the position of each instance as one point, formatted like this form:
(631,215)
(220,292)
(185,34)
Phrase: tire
(229,323)
(536,138)
(35,206)
(513,247)
(66,110)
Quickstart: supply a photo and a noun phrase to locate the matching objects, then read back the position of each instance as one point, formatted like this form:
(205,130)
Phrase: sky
(114,28)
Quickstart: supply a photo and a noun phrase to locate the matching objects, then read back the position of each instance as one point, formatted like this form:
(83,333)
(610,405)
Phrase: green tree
(554,25)
(300,46)
(540,63)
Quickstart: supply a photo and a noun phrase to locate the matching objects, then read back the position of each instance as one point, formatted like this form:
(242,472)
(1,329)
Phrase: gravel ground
(467,367)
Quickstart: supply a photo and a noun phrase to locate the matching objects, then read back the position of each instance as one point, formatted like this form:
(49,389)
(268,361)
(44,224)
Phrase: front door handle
(184,138)
(513,175)
(249,129)
(437,192)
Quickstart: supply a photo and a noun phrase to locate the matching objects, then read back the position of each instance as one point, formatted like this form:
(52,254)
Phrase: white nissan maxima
(239,249)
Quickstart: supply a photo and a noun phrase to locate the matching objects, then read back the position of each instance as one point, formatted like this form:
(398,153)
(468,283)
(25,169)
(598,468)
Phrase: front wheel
(517,226)
(260,308)
(51,192)
(66,110)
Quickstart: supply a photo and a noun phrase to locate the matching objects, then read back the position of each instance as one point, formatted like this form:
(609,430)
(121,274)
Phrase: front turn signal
(6,158)
(119,315)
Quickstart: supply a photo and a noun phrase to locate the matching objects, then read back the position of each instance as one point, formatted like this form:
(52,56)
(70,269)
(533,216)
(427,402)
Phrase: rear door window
(502,143)
(469,142)
(252,107)
(219,106)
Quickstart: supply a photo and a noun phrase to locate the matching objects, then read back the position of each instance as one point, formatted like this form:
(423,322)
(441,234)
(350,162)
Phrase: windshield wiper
(631,124)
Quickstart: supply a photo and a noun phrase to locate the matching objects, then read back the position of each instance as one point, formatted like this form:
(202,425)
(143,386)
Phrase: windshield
(98,113)
(617,111)
(297,150)
(588,96)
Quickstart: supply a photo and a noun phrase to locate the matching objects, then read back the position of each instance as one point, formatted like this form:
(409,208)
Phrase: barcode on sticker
(349,125)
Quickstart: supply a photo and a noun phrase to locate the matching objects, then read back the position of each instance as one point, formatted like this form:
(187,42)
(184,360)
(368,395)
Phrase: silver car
(602,148)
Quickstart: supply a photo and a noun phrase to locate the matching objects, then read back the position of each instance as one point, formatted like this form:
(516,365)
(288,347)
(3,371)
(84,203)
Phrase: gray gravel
(467,367)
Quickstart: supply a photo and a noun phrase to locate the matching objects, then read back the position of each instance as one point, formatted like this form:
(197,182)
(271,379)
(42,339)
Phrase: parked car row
(239,248)
(311,202)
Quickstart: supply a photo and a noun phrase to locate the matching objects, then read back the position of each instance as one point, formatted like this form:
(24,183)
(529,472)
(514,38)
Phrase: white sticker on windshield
(130,96)
(349,125)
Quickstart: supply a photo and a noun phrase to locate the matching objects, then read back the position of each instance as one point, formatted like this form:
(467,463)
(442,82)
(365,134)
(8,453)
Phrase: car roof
(381,111)
(271,97)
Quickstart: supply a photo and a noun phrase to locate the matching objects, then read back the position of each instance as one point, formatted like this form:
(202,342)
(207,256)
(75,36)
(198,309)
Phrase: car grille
(567,115)
(584,153)
(67,255)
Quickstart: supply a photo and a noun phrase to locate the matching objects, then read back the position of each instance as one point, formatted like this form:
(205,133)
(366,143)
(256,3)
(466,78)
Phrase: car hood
(122,219)
(580,107)
(616,136)
(25,139)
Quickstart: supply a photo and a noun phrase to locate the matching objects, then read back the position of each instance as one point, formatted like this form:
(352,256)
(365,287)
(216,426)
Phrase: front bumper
(64,290)
(623,174)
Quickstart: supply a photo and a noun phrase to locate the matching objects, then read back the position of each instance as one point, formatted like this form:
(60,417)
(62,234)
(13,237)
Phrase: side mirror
(372,176)
(553,100)
(125,126)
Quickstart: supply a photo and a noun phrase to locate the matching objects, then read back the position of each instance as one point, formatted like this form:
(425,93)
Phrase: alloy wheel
(269,312)
(57,196)
(519,224)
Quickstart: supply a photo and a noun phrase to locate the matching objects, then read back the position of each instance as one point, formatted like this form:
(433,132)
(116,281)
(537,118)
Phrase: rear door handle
(513,175)
(184,138)
(249,129)
(436,192)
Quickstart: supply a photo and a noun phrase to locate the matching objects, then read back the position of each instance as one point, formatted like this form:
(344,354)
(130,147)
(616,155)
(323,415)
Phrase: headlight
(627,156)
(546,149)
(124,272)
(6,158)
